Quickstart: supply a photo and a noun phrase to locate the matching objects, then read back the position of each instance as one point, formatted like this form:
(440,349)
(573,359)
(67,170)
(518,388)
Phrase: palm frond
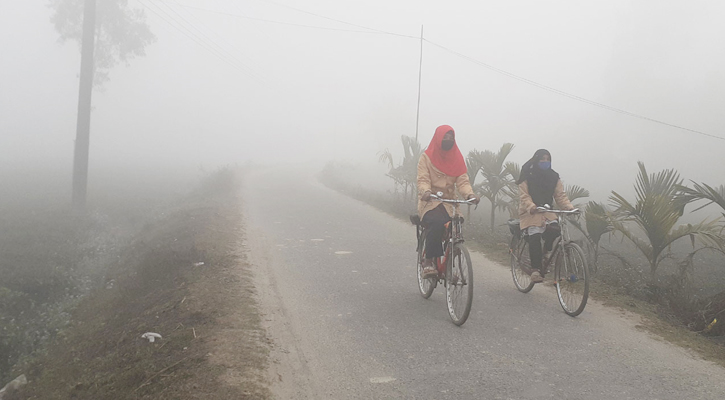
(702,191)
(596,220)
(386,157)
(575,192)
(513,169)
(656,210)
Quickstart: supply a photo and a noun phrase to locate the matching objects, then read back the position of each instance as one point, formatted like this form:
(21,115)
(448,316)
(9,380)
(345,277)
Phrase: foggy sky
(309,95)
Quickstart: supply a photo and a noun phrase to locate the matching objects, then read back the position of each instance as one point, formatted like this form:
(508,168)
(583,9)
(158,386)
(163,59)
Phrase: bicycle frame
(453,233)
(560,241)
(564,237)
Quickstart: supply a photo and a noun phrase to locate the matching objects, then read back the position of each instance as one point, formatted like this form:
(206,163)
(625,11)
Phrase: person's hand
(533,210)
(474,199)
(425,196)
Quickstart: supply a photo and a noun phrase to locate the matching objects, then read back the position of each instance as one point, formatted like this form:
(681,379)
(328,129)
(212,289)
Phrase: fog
(306,95)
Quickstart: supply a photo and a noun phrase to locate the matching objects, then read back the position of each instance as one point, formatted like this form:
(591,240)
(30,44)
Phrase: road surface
(336,282)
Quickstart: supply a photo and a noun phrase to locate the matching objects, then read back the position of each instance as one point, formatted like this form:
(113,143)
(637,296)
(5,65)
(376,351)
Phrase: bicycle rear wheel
(425,286)
(521,264)
(459,284)
(572,279)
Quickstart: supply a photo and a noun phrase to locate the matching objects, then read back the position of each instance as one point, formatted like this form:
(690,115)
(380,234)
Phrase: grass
(158,284)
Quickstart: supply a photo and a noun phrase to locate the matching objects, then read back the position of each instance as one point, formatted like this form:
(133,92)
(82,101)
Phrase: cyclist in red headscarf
(441,168)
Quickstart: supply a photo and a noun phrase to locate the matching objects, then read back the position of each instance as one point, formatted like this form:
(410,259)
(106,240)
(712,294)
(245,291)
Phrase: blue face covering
(544,164)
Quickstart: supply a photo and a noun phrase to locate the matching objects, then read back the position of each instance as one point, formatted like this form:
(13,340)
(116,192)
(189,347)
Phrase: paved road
(336,280)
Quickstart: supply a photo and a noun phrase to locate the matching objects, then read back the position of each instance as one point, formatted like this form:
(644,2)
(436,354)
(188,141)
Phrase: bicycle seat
(414,219)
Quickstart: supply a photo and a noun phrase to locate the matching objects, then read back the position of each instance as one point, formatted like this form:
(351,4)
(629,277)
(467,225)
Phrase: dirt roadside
(185,277)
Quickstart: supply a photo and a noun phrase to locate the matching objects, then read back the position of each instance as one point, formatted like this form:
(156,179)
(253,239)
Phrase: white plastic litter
(15,384)
(150,336)
(199,264)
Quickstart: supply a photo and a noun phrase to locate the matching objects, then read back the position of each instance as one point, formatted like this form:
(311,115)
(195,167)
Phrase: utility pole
(420,74)
(83,125)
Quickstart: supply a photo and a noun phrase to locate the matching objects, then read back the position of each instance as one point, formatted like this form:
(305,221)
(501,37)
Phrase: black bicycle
(571,272)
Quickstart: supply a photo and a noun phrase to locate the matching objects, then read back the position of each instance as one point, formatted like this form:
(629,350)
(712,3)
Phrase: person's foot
(536,277)
(428,270)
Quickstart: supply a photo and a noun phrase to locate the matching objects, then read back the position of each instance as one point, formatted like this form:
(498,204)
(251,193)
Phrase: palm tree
(597,222)
(510,199)
(473,165)
(412,151)
(406,173)
(495,175)
(656,210)
(575,192)
(702,191)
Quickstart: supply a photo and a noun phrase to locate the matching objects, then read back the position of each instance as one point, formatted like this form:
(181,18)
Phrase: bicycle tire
(519,255)
(572,279)
(425,286)
(459,284)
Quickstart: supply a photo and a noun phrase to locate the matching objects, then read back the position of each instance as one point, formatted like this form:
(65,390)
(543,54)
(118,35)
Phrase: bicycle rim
(572,279)
(520,258)
(425,286)
(459,284)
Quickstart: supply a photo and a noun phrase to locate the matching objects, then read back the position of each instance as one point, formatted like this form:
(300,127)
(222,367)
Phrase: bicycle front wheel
(459,284)
(521,264)
(572,279)
(425,285)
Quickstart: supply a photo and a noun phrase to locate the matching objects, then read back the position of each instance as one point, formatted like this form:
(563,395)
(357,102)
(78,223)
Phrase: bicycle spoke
(572,280)
(459,285)
(520,263)
(426,286)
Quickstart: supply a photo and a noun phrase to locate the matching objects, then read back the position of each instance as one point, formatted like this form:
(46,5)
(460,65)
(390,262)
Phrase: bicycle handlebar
(442,200)
(567,212)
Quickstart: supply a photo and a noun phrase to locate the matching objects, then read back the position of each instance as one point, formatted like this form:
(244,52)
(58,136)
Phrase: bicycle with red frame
(455,271)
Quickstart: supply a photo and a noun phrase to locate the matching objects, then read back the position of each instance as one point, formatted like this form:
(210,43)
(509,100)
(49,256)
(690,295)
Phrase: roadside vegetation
(78,292)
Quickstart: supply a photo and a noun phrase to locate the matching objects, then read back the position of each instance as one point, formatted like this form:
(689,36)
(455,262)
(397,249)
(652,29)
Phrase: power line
(337,20)
(369,31)
(514,76)
(209,40)
(569,95)
(468,58)
(186,32)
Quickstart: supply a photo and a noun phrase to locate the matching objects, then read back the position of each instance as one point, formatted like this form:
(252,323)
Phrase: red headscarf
(449,162)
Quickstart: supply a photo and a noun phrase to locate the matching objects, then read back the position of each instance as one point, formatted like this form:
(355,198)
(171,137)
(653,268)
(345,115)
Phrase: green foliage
(473,165)
(596,220)
(702,191)
(406,173)
(496,175)
(121,31)
(656,210)
(575,192)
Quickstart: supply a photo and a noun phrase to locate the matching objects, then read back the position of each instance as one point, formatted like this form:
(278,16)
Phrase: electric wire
(208,40)
(200,24)
(465,57)
(185,31)
(370,31)
(569,95)
(336,20)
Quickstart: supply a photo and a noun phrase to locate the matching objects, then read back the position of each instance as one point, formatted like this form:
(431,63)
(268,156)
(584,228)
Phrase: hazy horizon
(308,95)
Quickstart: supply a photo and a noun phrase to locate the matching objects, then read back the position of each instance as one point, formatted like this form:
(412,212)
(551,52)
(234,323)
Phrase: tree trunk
(493,214)
(653,272)
(83,126)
